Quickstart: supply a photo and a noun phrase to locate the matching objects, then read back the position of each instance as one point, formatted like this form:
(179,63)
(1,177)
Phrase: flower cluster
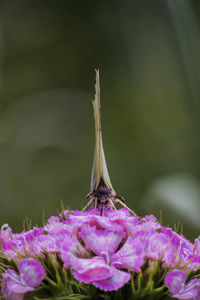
(104,251)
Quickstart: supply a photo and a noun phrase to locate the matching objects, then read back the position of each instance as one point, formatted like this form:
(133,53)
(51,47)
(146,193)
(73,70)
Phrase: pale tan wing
(99,170)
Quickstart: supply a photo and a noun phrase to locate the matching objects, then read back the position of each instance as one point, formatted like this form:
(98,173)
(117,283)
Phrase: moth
(102,195)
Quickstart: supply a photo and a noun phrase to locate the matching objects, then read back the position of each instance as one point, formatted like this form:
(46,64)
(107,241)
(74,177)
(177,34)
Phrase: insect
(102,194)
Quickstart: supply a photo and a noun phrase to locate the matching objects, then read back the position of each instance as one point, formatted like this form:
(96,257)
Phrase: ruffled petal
(154,244)
(179,251)
(130,256)
(18,288)
(53,219)
(101,241)
(70,248)
(11,286)
(175,281)
(31,272)
(89,270)
(190,291)
(113,283)
(94,220)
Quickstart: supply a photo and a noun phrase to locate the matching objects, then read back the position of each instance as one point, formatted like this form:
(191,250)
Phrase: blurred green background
(148,53)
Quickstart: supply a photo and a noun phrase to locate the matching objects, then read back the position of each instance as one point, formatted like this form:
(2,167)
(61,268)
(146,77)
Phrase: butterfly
(102,195)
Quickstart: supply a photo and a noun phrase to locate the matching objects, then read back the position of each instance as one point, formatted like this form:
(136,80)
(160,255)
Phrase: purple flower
(100,273)
(99,241)
(14,285)
(113,250)
(179,249)
(175,281)
(19,243)
(54,236)
(11,286)
(154,244)
(14,245)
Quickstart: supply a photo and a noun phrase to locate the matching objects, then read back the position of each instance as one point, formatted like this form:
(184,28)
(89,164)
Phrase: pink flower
(155,244)
(180,250)
(113,251)
(175,281)
(53,238)
(17,243)
(14,285)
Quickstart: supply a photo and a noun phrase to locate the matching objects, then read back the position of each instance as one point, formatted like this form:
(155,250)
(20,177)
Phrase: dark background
(148,53)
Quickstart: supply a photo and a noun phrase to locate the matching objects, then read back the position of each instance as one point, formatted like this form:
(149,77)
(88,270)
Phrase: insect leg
(125,206)
(101,211)
(88,204)
(120,198)
(112,204)
(95,205)
(89,195)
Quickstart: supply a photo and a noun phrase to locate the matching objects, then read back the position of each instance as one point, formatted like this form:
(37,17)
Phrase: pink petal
(149,218)
(179,251)
(32,234)
(154,244)
(51,243)
(190,291)
(70,247)
(53,220)
(158,245)
(130,256)
(175,281)
(66,259)
(31,271)
(11,286)
(197,246)
(107,212)
(59,228)
(13,296)
(98,221)
(6,233)
(18,287)
(115,282)
(91,269)
(101,241)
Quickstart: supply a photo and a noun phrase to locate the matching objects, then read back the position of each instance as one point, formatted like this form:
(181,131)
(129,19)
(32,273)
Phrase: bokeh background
(148,53)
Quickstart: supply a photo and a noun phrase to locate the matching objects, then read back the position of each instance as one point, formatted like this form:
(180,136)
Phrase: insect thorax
(103,194)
